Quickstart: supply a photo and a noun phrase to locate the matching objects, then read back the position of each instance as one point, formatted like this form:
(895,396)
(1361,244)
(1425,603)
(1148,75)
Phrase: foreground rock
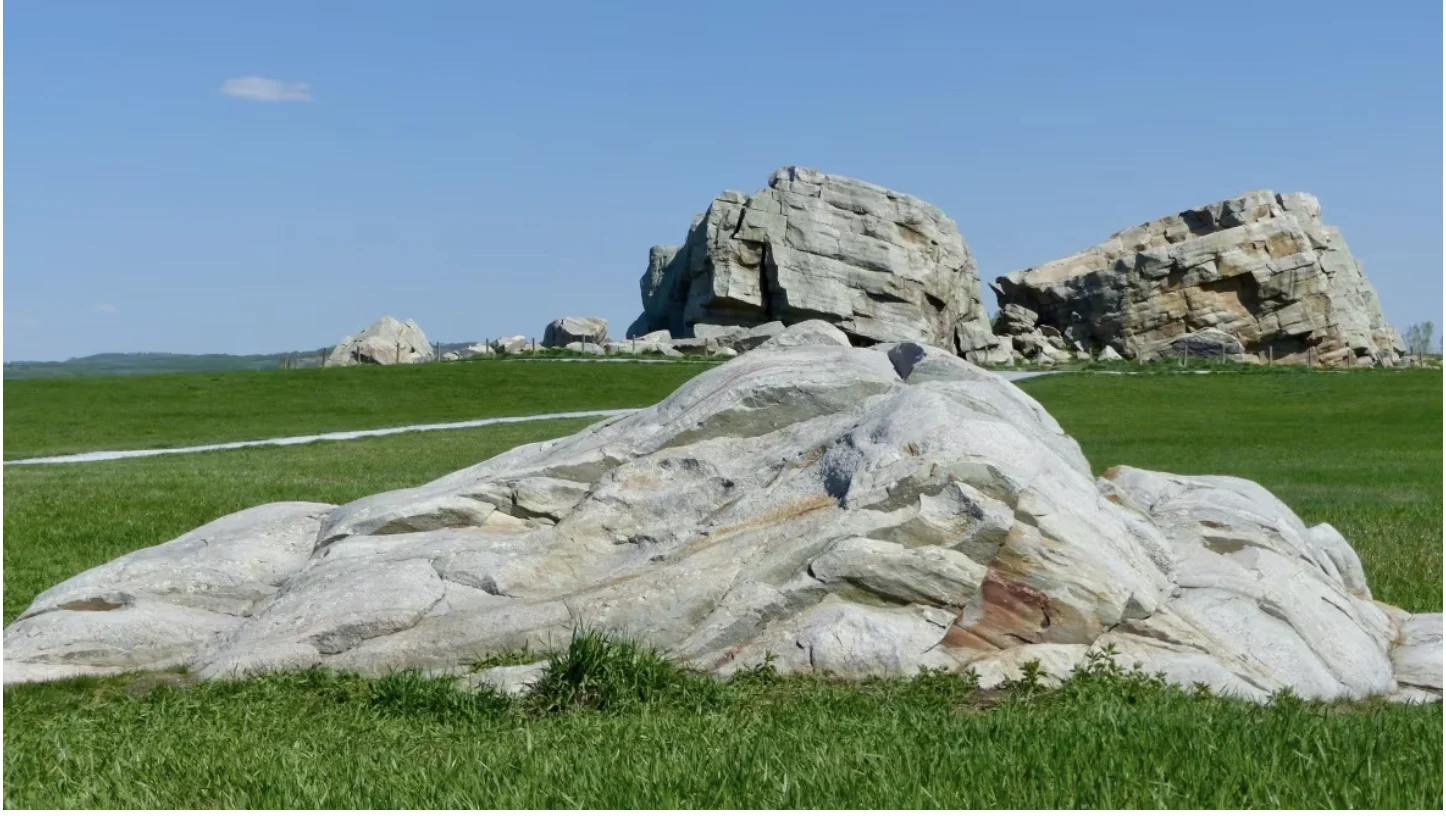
(567,330)
(861,512)
(880,265)
(1261,268)
(385,342)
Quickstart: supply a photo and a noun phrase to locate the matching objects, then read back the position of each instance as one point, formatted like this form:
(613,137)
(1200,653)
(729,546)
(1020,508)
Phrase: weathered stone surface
(1416,657)
(567,330)
(159,606)
(1206,344)
(880,265)
(385,342)
(586,348)
(509,679)
(643,347)
(510,345)
(808,333)
(1261,268)
(478,350)
(862,512)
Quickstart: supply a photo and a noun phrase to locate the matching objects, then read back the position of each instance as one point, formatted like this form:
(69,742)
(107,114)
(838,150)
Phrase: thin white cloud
(105,307)
(261,89)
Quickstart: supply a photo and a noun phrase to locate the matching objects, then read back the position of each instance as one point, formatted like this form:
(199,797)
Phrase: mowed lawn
(74,415)
(1360,450)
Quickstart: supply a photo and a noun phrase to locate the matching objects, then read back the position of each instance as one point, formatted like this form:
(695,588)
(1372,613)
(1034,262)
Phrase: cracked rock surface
(862,512)
(1261,271)
(880,265)
(385,342)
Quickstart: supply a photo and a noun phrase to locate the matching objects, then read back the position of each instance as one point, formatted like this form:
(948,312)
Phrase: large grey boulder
(860,512)
(510,345)
(1261,268)
(385,342)
(565,330)
(880,265)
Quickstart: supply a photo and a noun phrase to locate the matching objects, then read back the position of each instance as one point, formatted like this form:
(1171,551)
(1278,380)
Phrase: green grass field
(1361,450)
(72,415)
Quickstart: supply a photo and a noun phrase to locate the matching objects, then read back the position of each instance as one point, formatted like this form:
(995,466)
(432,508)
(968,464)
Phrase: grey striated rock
(808,333)
(880,265)
(509,679)
(586,348)
(643,347)
(567,330)
(1261,268)
(510,345)
(385,342)
(1207,344)
(861,512)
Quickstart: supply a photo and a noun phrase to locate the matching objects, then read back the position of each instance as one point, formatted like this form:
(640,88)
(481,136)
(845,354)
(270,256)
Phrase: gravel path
(104,456)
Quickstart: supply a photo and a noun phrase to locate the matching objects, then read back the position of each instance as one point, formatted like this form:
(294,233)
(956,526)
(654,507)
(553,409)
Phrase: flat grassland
(45,417)
(614,727)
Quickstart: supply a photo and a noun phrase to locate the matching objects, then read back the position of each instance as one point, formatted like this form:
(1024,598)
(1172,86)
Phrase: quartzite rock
(880,265)
(861,512)
(565,330)
(1262,268)
(385,342)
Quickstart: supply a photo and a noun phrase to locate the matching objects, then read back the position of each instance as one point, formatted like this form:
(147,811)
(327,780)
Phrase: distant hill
(148,363)
(167,363)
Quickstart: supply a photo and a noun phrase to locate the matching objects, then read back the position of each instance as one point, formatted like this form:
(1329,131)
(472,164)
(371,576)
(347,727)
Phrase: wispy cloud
(261,89)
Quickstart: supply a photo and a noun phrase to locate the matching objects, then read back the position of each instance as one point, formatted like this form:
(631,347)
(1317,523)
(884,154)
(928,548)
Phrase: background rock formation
(860,512)
(880,265)
(567,330)
(385,342)
(1261,267)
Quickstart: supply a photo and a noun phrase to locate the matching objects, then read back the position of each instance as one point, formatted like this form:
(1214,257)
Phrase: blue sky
(486,167)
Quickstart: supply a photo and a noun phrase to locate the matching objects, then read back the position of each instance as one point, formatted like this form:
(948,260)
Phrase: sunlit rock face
(1261,268)
(880,265)
(859,512)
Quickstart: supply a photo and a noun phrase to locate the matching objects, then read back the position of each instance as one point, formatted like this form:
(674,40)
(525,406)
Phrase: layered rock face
(385,342)
(1262,268)
(880,265)
(861,512)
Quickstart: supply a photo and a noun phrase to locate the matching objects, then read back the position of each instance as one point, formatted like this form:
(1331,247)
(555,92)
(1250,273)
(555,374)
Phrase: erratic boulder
(1261,268)
(385,342)
(859,512)
(880,265)
(510,345)
(565,330)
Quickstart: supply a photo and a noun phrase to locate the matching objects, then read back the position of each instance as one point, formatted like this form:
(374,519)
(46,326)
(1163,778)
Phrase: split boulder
(879,265)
